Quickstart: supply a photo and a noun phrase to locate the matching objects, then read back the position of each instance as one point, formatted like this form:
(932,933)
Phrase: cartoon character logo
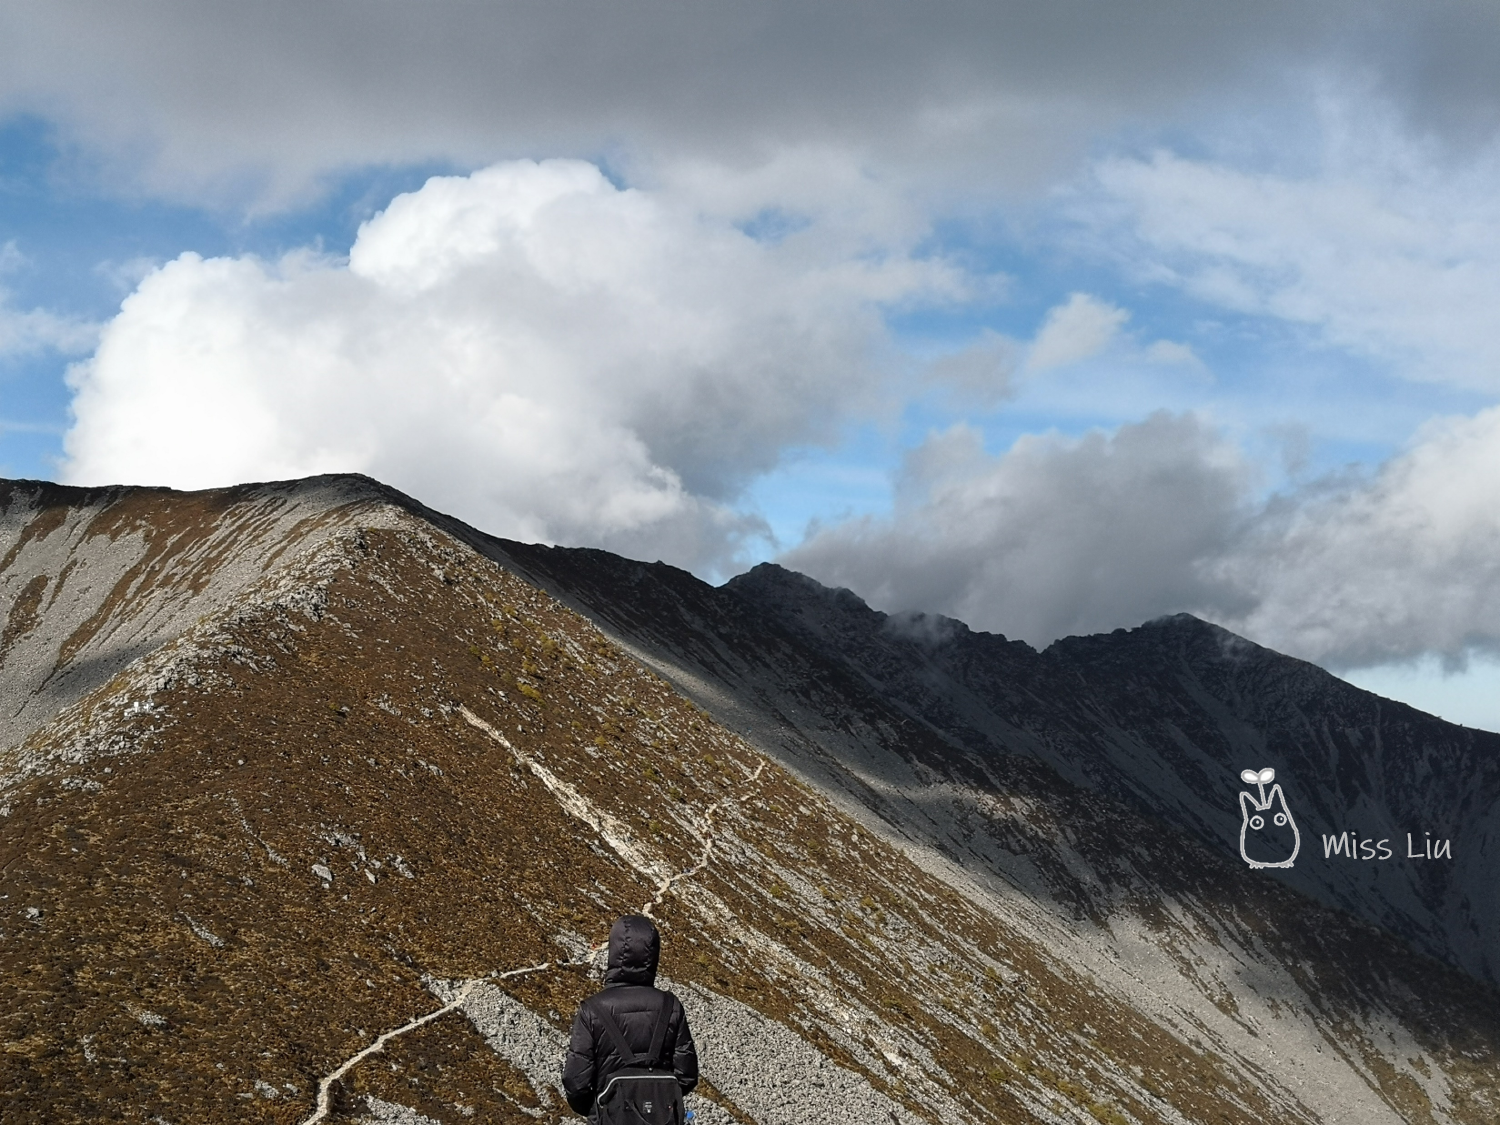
(1267,828)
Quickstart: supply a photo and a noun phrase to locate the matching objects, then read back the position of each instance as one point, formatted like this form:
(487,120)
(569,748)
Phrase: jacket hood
(634,949)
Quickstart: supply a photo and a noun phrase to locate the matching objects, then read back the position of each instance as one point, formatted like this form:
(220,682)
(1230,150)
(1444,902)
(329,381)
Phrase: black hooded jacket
(628,996)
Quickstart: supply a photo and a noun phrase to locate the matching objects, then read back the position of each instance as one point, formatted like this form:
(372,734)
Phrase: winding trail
(612,830)
(325,1084)
(707,836)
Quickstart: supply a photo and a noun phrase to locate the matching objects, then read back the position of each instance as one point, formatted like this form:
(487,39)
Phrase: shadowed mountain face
(289,767)
(1163,719)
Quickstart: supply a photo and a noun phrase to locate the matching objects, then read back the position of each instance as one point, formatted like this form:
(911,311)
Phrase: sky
(1053,316)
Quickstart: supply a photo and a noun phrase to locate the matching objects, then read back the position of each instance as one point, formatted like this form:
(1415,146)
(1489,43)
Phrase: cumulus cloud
(1058,536)
(1379,569)
(1075,331)
(545,354)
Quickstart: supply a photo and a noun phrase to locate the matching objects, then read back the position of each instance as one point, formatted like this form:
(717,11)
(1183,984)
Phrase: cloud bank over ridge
(544,353)
(1059,536)
(694,241)
(557,358)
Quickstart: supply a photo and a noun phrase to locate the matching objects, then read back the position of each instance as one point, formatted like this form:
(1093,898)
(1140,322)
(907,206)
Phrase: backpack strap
(652,1055)
(659,1037)
(617,1037)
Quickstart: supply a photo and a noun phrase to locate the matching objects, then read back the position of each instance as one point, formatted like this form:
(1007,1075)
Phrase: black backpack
(641,1092)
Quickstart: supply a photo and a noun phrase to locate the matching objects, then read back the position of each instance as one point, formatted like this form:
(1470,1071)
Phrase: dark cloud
(199,96)
(1054,537)
(1066,536)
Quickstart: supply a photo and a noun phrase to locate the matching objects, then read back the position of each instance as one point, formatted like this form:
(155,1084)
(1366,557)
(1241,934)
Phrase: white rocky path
(610,829)
(325,1084)
(707,836)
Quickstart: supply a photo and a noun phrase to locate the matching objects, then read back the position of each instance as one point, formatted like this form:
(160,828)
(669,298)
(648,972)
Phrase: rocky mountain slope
(1162,718)
(313,804)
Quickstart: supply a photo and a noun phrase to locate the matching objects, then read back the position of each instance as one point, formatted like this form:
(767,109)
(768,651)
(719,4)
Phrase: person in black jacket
(631,999)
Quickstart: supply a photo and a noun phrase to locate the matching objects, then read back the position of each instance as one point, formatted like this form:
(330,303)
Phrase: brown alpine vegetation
(286,768)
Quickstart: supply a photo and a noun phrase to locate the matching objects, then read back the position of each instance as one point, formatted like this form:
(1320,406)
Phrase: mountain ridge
(273,833)
(984,691)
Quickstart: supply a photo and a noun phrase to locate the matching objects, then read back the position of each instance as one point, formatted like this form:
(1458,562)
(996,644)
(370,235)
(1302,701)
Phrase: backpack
(640,1093)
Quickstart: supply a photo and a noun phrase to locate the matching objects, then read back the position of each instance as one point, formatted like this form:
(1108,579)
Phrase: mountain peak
(770,582)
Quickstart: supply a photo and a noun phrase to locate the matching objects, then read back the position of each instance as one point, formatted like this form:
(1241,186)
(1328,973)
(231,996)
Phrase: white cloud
(1381,569)
(26,332)
(29,331)
(1173,352)
(39,330)
(547,355)
(1075,331)
(1386,245)
(1061,536)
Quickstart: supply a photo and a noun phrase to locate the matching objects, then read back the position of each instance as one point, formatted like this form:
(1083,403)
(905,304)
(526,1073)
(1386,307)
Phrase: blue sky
(1044,322)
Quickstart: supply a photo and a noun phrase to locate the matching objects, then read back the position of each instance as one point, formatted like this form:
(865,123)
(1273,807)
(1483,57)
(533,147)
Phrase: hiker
(631,1057)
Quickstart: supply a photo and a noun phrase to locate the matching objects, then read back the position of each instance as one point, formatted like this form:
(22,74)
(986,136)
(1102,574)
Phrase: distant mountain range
(1162,719)
(287,767)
